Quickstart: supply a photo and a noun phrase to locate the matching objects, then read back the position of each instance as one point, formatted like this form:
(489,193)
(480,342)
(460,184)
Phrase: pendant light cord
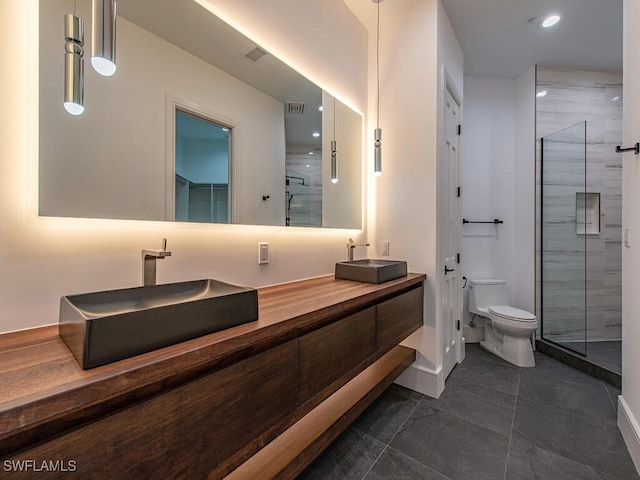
(334,118)
(378,65)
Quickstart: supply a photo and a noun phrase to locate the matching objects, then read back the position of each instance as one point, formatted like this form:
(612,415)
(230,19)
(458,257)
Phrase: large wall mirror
(198,124)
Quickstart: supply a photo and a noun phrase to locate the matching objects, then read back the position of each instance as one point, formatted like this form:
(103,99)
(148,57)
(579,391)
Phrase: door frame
(174,104)
(450,87)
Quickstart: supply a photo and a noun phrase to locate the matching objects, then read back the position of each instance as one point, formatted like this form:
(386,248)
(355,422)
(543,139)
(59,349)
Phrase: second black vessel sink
(371,270)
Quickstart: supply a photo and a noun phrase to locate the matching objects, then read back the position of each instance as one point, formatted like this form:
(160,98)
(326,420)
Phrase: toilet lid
(511,313)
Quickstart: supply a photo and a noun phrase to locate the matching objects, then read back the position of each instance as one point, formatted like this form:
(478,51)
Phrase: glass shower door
(564,224)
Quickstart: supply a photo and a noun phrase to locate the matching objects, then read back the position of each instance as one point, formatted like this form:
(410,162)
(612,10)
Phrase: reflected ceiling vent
(256,54)
(295,107)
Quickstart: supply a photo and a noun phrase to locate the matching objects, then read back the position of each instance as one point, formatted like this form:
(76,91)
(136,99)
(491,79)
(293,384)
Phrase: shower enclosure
(578,307)
(563,240)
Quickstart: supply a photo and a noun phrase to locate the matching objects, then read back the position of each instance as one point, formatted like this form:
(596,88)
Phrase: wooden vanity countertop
(43,390)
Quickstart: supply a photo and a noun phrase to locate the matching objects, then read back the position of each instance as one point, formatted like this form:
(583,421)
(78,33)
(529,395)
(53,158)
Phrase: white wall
(488,151)
(629,402)
(403,202)
(44,258)
(523,207)
(498,180)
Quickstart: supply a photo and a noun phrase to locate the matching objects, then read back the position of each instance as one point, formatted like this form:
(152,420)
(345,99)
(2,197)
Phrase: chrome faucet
(351,246)
(149,258)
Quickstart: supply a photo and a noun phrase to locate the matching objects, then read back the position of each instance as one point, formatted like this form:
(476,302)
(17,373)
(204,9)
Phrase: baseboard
(630,430)
(422,380)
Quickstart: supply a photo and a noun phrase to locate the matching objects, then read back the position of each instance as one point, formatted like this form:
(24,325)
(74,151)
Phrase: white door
(451,294)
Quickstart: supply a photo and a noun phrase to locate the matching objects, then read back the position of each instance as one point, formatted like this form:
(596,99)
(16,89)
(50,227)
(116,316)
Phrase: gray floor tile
(349,457)
(385,416)
(608,354)
(458,449)
(483,406)
(580,398)
(581,438)
(527,462)
(407,392)
(475,369)
(476,351)
(394,465)
(551,422)
(553,368)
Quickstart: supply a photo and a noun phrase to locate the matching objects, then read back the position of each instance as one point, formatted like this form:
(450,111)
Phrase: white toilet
(508,330)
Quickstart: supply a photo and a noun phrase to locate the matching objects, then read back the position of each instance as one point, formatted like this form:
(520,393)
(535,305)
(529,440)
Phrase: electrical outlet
(385,248)
(263,253)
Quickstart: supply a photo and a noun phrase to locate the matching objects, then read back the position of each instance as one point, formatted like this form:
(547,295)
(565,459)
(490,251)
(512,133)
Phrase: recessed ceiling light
(316,134)
(542,93)
(550,21)
(310,153)
(615,99)
(320,108)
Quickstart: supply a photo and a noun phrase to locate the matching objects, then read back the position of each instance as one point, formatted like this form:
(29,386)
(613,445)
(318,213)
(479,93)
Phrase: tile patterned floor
(494,421)
(607,354)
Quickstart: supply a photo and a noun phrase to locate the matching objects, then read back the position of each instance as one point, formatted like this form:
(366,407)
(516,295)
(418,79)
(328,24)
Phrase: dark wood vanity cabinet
(187,431)
(296,382)
(397,315)
(330,352)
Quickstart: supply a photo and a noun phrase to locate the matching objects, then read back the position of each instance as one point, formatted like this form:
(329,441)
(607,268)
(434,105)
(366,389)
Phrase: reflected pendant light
(73,64)
(334,152)
(377,146)
(103,44)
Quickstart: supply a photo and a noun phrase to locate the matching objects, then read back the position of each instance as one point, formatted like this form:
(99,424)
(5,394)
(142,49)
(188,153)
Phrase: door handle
(447,269)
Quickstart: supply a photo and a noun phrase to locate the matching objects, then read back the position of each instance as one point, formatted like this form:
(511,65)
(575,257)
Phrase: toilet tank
(484,293)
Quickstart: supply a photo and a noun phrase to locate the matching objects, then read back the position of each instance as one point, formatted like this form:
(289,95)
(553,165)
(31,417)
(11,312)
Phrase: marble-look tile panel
(576,96)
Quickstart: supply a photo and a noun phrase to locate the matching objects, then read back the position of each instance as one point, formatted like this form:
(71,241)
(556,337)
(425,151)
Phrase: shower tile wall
(307,211)
(574,96)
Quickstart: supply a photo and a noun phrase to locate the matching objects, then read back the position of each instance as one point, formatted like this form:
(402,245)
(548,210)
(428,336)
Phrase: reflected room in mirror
(141,150)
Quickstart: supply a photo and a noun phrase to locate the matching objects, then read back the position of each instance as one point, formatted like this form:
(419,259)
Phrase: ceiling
(499,39)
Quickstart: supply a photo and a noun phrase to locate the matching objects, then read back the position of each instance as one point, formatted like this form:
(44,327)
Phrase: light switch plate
(263,253)
(385,248)
(627,237)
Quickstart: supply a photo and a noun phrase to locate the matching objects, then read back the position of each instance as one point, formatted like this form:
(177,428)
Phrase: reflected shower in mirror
(122,158)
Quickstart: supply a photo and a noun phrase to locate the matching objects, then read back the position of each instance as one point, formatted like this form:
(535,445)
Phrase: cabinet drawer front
(396,317)
(188,431)
(332,351)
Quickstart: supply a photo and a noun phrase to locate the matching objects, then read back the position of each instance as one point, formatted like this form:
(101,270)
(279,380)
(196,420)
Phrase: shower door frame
(584,341)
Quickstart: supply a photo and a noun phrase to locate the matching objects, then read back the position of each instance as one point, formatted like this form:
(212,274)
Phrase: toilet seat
(514,314)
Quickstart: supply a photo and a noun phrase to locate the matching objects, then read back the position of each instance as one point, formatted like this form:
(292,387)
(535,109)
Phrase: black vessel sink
(371,270)
(103,327)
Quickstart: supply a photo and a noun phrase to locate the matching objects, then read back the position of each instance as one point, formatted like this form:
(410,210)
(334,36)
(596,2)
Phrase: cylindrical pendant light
(377,151)
(334,162)
(377,146)
(73,64)
(103,44)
